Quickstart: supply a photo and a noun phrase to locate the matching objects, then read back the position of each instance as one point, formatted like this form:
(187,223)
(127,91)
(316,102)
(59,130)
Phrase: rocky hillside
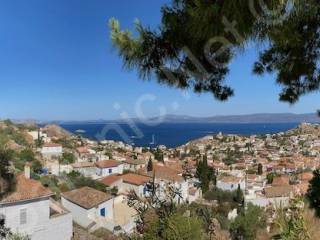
(56,131)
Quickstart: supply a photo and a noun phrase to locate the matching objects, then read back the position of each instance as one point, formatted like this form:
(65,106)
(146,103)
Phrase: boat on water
(153,142)
(80,131)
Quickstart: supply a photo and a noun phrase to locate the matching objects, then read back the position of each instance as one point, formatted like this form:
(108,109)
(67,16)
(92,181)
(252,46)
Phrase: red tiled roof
(306,176)
(82,150)
(280,181)
(229,179)
(135,179)
(52,145)
(26,189)
(164,173)
(109,180)
(107,164)
(279,191)
(86,197)
(83,164)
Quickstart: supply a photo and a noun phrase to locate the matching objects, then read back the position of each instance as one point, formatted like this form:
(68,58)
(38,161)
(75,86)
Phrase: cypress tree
(150,165)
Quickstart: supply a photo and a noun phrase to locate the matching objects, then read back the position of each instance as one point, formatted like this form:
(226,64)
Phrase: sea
(169,134)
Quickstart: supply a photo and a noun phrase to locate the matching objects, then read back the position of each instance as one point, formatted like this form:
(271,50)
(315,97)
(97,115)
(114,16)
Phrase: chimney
(27,171)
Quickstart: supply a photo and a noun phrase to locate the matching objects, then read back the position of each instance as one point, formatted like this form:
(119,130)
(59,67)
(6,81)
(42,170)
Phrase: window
(103,212)
(23,216)
(110,170)
(2,220)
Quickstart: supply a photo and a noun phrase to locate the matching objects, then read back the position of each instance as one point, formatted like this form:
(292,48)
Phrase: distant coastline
(173,134)
(236,119)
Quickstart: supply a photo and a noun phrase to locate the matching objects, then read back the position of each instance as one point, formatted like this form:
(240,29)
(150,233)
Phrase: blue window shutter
(103,212)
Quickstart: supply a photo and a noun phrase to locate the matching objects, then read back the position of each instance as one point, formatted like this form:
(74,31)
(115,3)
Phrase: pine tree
(314,192)
(291,28)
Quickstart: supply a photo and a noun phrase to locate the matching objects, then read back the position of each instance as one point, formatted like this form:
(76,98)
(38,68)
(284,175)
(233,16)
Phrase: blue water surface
(170,134)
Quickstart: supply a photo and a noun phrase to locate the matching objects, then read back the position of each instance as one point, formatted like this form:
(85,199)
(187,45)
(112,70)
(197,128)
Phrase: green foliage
(222,196)
(114,191)
(205,174)
(17,236)
(39,141)
(270,177)
(68,158)
(6,233)
(26,155)
(65,142)
(291,31)
(239,198)
(150,166)
(19,159)
(313,194)
(109,154)
(293,52)
(51,182)
(6,174)
(177,227)
(36,166)
(70,181)
(76,180)
(260,171)
(11,133)
(247,223)
(292,223)
(158,155)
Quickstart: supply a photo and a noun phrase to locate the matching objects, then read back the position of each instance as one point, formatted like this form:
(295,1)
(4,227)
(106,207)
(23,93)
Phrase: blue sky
(57,62)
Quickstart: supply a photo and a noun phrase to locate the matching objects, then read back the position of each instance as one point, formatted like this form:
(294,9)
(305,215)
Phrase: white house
(108,167)
(194,194)
(51,151)
(166,177)
(127,182)
(87,169)
(30,211)
(134,164)
(276,196)
(88,206)
(231,183)
(36,134)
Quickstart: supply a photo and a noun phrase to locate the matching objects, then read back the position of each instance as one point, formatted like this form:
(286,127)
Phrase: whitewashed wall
(39,224)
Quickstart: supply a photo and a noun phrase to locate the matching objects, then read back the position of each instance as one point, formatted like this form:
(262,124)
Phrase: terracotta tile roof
(278,191)
(280,181)
(27,189)
(82,150)
(109,180)
(135,179)
(52,145)
(86,197)
(229,179)
(175,165)
(135,161)
(108,163)
(306,176)
(163,173)
(251,177)
(83,165)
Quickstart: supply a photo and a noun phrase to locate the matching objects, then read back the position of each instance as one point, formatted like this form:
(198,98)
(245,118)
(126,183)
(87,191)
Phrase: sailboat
(153,141)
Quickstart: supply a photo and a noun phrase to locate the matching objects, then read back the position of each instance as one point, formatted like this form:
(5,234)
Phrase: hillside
(56,131)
